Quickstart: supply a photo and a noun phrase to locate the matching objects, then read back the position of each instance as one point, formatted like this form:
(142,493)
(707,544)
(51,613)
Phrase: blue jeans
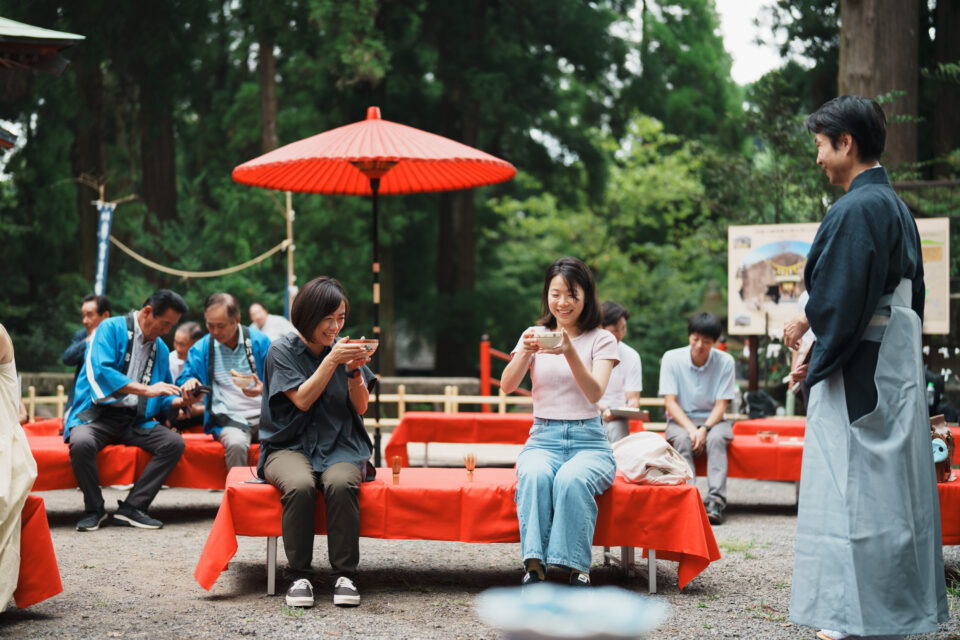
(564,464)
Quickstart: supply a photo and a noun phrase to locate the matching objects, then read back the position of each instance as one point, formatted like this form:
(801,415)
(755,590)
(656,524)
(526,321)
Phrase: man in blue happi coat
(868,559)
(93,310)
(232,408)
(124,388)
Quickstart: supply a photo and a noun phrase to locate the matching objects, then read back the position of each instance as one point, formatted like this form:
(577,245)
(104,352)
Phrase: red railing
(487,382)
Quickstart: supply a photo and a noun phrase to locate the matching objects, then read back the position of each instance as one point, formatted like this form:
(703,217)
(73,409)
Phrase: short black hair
(573,271)
(163,299)
(192,329)
(612,312)
(862,118)
(103,303)
(705,324)
(316,300)
(225,299)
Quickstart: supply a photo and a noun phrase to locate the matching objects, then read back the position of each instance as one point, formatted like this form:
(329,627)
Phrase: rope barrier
(199,274)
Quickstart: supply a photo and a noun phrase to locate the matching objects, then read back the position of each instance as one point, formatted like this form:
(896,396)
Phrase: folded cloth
(647,458)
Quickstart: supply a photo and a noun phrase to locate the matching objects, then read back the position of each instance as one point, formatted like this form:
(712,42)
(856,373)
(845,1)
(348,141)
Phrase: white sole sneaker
(346,601)
(130,522)
(302,601)
(95,527)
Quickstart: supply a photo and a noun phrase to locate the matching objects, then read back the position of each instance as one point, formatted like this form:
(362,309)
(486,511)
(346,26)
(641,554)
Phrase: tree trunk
(946,124)
(879,53)
(89,155)
(268,95)
(157,155)
(456,269)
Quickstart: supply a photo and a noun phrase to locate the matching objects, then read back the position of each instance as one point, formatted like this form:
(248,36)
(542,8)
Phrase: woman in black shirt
(312,437)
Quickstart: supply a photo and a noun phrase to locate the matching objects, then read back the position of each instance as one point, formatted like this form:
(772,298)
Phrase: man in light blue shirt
(696,383)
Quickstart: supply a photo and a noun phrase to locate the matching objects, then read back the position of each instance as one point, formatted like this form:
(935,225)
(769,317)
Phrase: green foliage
(685,71)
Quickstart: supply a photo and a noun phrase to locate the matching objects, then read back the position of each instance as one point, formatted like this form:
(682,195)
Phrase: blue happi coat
(103,374)
(198,366)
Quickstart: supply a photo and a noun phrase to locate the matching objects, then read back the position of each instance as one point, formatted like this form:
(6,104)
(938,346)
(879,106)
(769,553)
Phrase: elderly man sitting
(230,362)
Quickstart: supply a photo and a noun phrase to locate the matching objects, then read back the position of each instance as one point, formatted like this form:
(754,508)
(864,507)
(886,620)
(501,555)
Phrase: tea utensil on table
(397,463)
(470,462)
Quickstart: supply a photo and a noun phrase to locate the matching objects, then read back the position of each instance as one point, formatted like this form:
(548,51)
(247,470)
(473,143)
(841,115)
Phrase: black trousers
(86,440)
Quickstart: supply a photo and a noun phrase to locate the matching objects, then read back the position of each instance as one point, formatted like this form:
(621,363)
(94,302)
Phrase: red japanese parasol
(370,158)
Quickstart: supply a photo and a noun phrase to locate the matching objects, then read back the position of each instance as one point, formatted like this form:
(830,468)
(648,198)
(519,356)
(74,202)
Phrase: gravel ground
(127,583)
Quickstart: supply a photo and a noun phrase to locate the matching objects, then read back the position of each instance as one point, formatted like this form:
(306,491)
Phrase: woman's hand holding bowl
(345,351)
(530,343)
(565,344)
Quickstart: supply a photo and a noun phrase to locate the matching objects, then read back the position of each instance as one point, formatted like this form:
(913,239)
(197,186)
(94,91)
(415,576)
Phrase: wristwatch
(354,374)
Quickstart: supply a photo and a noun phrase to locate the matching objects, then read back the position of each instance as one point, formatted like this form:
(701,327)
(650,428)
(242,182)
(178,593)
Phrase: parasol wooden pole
(291,278)
(375,188)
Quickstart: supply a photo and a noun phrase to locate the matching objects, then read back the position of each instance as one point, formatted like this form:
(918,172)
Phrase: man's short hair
(163,299)
(862,118)
(705,324)
(192,329)
(103,303)
(258,304)
(225,299)
(315,301)
(612,312)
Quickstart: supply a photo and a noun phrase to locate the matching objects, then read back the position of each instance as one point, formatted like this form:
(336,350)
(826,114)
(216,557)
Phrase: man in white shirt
(626,380)
(696,383)
(274,327)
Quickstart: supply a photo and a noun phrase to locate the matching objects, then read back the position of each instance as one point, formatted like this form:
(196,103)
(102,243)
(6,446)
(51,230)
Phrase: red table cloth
(201,467)
(50,427)
(783,426)
(796,426)
(39,577)
(439,504)
(950,510)
(466,427)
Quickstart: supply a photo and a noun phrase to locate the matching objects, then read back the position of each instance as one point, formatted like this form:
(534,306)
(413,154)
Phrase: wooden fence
(447,402)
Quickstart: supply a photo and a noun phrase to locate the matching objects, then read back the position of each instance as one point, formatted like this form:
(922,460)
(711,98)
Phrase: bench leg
(626,560)
(271,565)
(606,556)
(651,571)
(426,454)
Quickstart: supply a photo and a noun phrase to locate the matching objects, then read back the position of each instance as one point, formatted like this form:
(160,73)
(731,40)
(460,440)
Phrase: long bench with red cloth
(439,504)
(748,456)
(464,427)
(39,576)
(201,467)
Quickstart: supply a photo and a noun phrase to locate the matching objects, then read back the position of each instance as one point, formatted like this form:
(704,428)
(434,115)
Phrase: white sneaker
(345,593)
(829,634)
(300,594)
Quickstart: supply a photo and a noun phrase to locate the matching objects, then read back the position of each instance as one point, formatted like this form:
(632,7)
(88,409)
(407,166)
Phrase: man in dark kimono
(868,558)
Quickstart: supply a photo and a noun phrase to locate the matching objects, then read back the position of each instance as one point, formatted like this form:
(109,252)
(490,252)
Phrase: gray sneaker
(129,516)
(300,594)
(92,520)
(345,593)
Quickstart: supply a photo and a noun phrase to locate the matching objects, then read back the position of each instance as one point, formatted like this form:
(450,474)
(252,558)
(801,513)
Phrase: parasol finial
(373,113)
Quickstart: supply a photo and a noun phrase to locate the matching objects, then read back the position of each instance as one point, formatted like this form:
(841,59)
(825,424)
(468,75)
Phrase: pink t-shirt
(556,394)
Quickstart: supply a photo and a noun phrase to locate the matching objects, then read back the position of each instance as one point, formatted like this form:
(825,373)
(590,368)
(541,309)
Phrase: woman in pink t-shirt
(567,459)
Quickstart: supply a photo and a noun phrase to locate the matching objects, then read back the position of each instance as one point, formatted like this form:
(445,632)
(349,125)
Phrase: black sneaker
(128,516)
(715,512)
(530,577)
(92,520)
(300,594)
(578,579)
(345,593)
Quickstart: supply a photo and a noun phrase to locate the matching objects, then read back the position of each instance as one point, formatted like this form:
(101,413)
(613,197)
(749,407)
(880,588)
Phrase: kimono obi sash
(901,297)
